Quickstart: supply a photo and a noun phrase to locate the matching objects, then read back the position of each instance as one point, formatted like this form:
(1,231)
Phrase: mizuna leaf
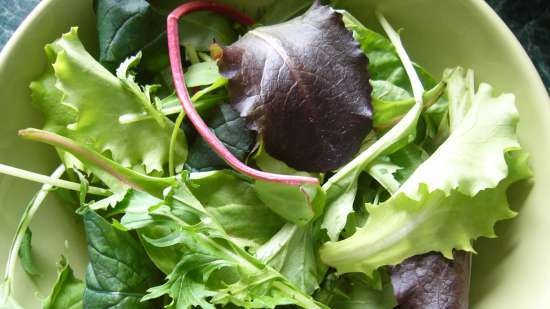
(304,87)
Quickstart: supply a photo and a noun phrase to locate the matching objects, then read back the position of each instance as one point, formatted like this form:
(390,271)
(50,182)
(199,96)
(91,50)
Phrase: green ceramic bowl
(510,272)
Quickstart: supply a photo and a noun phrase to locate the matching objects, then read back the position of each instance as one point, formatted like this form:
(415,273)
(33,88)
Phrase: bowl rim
(500,26)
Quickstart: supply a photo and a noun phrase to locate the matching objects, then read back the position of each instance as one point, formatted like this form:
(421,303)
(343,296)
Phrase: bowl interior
(509,272)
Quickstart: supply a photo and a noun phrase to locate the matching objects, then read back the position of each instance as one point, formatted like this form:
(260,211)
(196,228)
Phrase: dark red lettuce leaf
(304,86)
(430,281)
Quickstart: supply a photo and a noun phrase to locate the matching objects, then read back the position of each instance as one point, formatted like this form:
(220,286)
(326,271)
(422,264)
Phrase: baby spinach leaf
(67,292)
(119,272)
(25,254)
(430,281)
(303,85)
(231,130)
(126,27)
(129,26)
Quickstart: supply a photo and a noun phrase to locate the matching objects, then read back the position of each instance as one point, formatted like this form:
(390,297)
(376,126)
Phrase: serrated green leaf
(211,265)
(100,100)
(453,198)
(67,292)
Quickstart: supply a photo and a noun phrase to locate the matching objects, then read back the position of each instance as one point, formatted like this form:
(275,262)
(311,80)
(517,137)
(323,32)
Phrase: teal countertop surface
(529,19)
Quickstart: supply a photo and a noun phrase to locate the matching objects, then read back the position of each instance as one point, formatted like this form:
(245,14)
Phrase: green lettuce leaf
(453,198)
(67,292)
(99,99)
(212,268)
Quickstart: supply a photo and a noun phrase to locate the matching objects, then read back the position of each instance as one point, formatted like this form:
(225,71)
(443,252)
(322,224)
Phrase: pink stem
(183,94)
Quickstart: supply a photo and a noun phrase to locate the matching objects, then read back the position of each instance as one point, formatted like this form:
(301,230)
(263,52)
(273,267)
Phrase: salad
(300,160)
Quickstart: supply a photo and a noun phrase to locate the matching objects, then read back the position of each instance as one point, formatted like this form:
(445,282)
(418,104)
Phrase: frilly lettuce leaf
(87,102)
(453,198)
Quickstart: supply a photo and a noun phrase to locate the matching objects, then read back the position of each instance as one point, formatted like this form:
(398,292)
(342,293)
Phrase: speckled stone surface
(529,19)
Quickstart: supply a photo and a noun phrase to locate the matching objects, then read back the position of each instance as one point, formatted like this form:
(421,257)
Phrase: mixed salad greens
(314,164)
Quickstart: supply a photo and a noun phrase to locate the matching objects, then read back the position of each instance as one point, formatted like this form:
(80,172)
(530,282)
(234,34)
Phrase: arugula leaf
(213,269)
(126,27)
(454,197)
(67,292)
(293,252)
(25,254)
(119,272)
(231,130)
(232,201)
(352,291)
(91,90)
